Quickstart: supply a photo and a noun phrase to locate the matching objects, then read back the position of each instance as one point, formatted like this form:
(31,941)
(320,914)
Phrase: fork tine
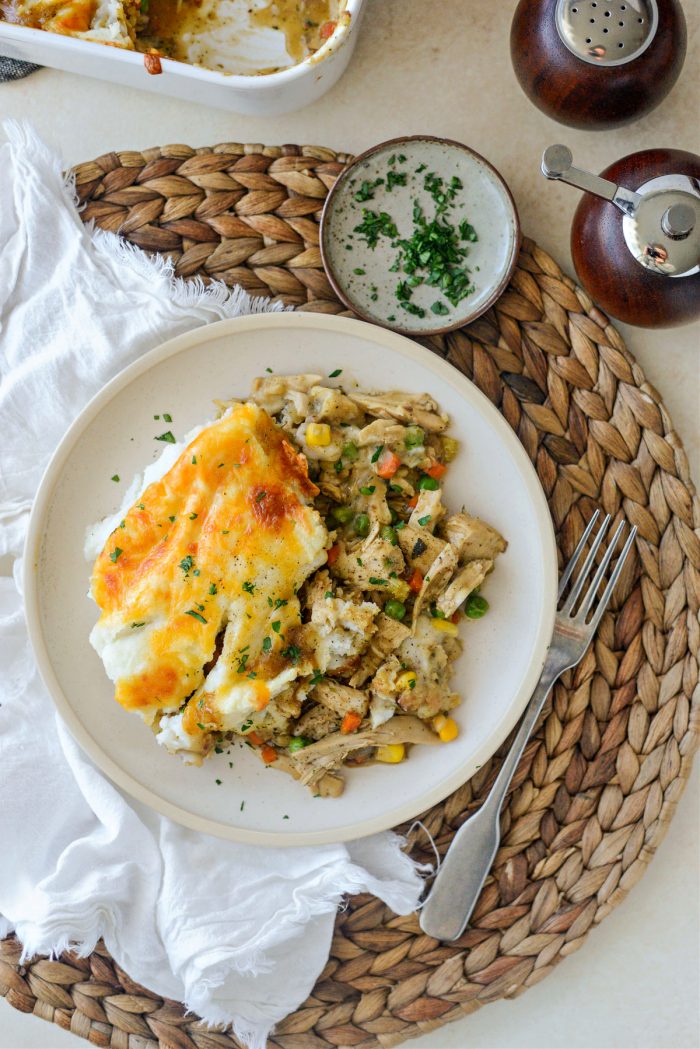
(607,593)
(602,569)
(577,553)
(580,580)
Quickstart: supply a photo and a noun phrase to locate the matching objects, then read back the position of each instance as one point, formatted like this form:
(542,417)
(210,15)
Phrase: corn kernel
(399,589)
(406,680)
(391,753)
(446,728)
(318,435)
(445,627)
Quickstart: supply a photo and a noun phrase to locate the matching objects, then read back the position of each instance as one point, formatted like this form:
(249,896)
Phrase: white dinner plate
(114,436)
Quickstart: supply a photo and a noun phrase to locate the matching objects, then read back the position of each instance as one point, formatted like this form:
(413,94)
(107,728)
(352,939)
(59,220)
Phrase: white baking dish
(266,95)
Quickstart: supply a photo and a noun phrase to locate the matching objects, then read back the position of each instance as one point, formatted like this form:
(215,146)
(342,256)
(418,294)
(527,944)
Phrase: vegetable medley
(380,621)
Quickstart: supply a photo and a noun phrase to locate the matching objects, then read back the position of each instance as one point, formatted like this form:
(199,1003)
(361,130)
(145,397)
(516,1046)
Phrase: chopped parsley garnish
(280,602)
(218,782)
(116,477)
(246,725)
(316,677)
(116,554)
(260,496)
(269,370)
(196,571)
(366,190)
(338,466)
(242,805)
(195,615)
(242,660)
(213,588)
(377,452)
(276,626)
(334,374)
(424,520)
(359,272)
(249,587)
(172,518)
(122,524)
(329,593)
(200,726)
(292,653)
(193,517)
(375,225)
(194,460)
(395,178)
(135,625)
(267,644)
(439,308)
(377,582)
(141,507)
(168,437)
(252,674)
(186,564)
(167,417)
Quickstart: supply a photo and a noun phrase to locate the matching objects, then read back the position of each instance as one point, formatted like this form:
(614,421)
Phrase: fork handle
(464,870)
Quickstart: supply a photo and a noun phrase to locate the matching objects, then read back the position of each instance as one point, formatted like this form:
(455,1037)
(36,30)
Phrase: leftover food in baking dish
(289,576)
(231,36)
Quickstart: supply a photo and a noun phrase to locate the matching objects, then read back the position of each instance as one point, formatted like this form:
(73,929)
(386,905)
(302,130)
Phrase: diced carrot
(254,738)
(327,30)
(437,470)
(350,723)
(388,464)
(416,581)
(333,554)
(412,503)
(456,616)
(268,754)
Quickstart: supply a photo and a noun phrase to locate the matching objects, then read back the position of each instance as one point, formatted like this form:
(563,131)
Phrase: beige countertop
(443,67)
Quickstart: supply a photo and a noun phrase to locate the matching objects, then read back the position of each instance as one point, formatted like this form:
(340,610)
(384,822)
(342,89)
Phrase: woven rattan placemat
(600,779)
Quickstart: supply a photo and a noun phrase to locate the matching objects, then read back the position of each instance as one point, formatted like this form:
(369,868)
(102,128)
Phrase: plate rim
(403,347)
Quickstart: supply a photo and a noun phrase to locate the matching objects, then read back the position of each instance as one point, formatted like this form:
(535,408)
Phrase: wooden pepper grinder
(597,64)
(635,238)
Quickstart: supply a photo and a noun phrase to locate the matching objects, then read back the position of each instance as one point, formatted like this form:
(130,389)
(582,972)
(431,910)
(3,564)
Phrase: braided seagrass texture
(600,778)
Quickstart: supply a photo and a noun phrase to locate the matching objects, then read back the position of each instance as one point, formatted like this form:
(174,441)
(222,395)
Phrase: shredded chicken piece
(420,547)
(459,589)
(415,408)
(387,638)
(431,664)
(327,784)
(429,506)
(341,699)
(343,626)
(381,431)
(472,538)
(329,404)
(317,723)
(270,391)
(375,558)
(330,752)
(435,579)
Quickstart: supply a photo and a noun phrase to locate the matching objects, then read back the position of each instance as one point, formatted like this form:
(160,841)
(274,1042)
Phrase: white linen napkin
(238,933)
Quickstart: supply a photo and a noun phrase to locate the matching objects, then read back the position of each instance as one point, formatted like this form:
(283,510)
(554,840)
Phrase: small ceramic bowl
(384,254)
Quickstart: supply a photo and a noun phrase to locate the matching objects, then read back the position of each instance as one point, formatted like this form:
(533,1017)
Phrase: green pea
(361,525)
(475,607)
(297,743)
(415,437)
(342,514)
(350,452)
(395,609)
(427,484)
(390,535)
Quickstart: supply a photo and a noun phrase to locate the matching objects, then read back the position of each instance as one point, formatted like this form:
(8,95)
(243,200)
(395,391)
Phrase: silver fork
(459,881)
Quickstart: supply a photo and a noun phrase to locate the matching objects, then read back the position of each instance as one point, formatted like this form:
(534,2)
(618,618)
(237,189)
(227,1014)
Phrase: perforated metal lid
(607,32)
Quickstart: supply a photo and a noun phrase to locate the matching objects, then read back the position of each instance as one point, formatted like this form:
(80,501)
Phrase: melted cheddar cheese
(197,585)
